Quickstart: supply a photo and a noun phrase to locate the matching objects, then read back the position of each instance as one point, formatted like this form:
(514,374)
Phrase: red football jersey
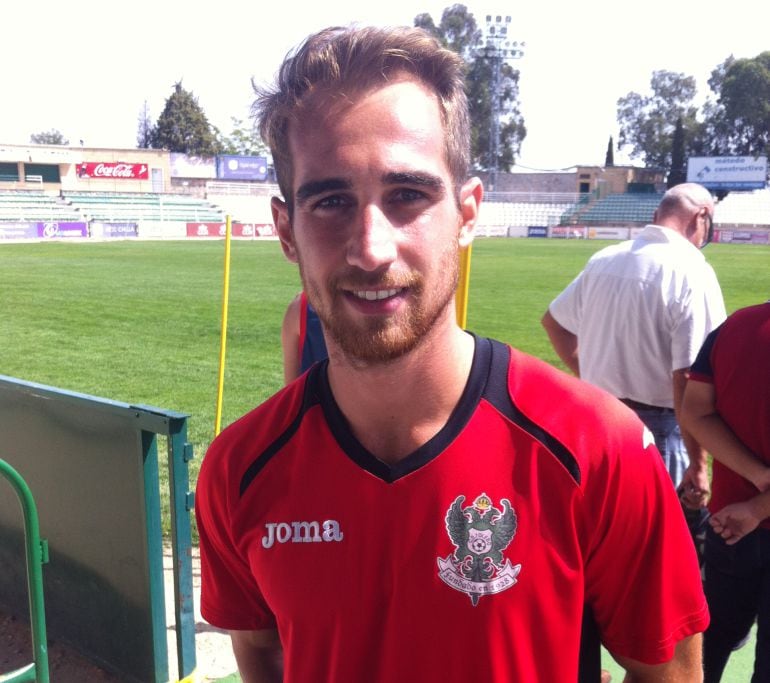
(470,560)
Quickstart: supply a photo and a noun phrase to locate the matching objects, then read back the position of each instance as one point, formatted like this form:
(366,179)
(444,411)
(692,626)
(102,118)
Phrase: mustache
(363,280)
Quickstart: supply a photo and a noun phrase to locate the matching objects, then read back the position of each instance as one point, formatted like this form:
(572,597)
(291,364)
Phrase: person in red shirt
(426,504)
(727,407)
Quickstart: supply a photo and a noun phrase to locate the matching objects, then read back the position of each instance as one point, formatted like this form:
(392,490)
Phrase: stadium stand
(142,206)
(616,209)
(513,209)
(35,205)
(744,209)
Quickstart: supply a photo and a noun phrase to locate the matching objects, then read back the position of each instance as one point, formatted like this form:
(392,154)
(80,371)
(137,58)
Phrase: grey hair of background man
(684,200)
(349,61)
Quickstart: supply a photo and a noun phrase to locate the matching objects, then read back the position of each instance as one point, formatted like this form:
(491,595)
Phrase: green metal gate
(93,467)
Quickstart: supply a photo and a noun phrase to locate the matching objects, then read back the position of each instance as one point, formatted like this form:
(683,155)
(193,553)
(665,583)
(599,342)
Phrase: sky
(87,67)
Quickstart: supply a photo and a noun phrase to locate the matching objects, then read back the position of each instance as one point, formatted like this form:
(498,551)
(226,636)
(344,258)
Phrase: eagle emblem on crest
(480,532)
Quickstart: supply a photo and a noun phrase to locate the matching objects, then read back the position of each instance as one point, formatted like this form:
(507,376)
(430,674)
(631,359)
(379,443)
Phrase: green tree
(647,122)
(609,157)
(459,32)
(144,128)
(744,97)
(243,139)
(49,137)
(183,126)
(678,173)
(713,137)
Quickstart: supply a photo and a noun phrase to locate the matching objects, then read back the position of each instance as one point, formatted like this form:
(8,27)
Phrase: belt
(636,405)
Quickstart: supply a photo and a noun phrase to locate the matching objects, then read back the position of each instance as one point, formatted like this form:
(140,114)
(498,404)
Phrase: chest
(487,522)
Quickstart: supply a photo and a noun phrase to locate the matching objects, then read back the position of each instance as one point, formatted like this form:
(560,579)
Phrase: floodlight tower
(497,49)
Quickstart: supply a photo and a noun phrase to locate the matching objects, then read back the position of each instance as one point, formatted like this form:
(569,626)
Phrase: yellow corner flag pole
(223,342)
(461,296)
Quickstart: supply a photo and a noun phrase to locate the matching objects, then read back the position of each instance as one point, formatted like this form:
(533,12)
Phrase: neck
(393,408)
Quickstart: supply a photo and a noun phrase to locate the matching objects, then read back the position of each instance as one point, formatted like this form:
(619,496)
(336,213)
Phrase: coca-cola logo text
(113,170)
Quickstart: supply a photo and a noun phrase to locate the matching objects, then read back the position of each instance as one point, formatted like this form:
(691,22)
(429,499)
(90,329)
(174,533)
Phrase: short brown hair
(355,59)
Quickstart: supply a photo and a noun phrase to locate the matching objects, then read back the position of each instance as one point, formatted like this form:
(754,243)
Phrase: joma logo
(301,532)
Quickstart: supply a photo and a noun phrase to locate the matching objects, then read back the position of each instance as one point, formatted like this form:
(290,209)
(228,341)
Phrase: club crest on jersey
(480,532)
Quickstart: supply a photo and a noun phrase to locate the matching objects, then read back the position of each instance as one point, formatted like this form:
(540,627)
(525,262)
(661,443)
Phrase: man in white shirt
(633,320)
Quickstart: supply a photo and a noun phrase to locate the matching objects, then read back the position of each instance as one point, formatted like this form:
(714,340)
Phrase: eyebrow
(427,180)
(313,188)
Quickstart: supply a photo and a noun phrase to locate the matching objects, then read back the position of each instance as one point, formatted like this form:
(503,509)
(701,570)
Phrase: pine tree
(677,173)
(609,157)
(183,126)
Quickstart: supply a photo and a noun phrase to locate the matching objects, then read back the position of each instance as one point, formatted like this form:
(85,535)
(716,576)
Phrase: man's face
(376,224)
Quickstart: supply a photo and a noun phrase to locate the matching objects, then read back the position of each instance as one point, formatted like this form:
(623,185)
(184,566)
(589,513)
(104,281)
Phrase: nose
(372,244)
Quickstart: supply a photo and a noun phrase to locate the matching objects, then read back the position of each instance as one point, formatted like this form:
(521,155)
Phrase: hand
(734,521)
(695,488)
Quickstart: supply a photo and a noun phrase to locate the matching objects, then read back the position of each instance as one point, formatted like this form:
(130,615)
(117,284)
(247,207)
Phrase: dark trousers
(737,585)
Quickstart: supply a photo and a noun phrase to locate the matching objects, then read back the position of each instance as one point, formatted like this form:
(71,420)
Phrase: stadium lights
(495,47)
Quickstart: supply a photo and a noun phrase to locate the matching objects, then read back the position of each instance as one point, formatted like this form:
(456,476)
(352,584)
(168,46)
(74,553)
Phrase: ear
(280,212)
(471,194)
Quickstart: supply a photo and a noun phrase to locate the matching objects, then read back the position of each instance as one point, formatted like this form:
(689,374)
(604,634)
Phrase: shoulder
(292,316)
(743,333)
(610,252)
(750,318)
(239,445)
(596,429)
(551,393)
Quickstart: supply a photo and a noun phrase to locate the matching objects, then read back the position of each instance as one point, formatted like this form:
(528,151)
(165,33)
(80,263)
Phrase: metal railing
(37,556)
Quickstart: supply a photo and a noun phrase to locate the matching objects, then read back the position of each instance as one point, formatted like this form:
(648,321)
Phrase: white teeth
(376,294)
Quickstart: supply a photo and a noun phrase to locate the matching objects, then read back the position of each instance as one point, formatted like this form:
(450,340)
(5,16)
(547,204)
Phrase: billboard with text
(113,170)
(231,167)
(728,173)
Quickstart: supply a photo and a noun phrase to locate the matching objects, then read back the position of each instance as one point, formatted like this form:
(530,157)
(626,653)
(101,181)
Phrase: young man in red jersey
(426,504)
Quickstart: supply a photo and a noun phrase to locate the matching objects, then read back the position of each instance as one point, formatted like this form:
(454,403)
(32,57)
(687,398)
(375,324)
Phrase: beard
(377,339)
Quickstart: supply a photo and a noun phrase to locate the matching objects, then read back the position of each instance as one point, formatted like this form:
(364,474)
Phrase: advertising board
(239,230)
(728,173)
(113,170)
(231,167)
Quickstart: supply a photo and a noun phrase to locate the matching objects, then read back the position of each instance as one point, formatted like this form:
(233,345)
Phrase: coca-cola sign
(115,170)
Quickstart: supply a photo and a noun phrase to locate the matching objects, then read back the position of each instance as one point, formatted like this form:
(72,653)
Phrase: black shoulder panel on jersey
(309,399)
(497,393)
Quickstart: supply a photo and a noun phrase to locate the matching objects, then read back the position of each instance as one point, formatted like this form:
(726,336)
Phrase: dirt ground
(212,646)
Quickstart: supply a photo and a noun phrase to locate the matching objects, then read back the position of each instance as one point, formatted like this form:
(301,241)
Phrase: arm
(695,481)
(563,341)
(259,656)
(700,417)
(734,521)
(684,667)
(290,341)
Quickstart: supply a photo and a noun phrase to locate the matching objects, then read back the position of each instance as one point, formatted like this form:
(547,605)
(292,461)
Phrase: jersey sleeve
(701,370)
(642,575)
(230,597)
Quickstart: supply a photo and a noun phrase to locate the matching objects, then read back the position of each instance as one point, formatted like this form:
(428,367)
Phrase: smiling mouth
(376,294)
